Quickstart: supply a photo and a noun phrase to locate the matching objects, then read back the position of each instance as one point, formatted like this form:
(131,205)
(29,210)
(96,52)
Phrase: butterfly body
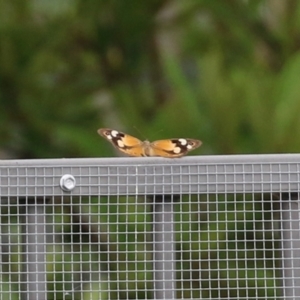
(132,146)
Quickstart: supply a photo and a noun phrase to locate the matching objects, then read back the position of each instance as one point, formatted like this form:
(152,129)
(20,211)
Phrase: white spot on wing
(120,143)
(183,142)
(114,133)
(177,150)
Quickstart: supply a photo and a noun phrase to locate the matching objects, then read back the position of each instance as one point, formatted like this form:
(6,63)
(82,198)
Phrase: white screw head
(67,182)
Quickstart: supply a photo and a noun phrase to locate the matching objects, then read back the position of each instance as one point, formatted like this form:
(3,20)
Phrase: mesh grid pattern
(223,227)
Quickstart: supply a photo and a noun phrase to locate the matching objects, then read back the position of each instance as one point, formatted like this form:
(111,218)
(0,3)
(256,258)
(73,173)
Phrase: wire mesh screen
(194,228)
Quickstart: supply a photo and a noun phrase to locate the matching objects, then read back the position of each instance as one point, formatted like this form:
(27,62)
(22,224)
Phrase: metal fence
(199,227)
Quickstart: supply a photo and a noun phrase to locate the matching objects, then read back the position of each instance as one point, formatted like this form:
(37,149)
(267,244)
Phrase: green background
(225,72)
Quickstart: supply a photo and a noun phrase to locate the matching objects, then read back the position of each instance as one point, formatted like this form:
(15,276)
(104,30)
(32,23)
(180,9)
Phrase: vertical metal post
(291,249)
(164,255)
(34,279)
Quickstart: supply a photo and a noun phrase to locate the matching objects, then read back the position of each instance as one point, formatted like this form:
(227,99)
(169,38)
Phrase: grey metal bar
(291,249)
(126,176)
(34,279)
(127,161)
(164,255)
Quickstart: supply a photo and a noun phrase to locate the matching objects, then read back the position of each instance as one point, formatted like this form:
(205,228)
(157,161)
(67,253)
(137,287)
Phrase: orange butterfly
(134,147)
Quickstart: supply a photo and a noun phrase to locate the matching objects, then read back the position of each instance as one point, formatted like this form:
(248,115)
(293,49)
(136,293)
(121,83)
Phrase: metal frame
(31,181)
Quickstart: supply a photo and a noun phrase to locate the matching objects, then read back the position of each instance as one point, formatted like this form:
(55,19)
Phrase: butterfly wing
(123,142)
(173,147)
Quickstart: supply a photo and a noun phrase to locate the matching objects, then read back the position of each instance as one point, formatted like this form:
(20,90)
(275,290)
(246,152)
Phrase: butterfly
(132,146)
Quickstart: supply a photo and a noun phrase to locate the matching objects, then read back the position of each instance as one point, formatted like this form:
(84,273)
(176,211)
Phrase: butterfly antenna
(140,133)
(159,130)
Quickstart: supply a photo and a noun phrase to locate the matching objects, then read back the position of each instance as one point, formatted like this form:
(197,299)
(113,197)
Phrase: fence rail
(199,227)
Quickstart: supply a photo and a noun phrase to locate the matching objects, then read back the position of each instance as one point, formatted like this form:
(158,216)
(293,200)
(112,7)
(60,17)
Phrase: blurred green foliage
(227,247)
(225,72)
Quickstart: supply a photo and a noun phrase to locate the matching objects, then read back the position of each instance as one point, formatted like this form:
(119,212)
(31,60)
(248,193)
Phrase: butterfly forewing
(123,142)
(174,147)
